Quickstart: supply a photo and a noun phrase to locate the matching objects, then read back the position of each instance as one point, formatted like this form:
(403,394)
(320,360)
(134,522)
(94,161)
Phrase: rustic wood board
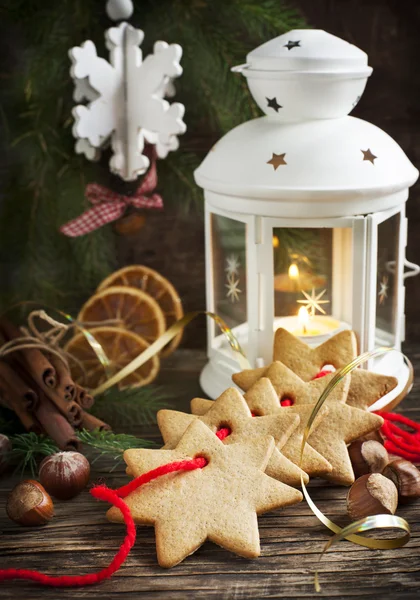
(80,539)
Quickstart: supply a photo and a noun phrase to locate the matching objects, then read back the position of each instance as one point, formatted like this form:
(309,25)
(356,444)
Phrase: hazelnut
(5,449)
(367,457)
(64,474)
(371,494)
(406,477)
(29,504)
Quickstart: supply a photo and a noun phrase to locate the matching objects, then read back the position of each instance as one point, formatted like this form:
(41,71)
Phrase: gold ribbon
(350,532)
(161,342)
(369,523)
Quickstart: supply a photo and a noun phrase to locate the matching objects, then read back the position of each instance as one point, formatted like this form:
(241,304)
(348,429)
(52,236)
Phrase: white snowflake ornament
(125,99)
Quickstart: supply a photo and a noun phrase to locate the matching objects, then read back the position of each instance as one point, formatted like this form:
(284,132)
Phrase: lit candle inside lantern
(293,274)
(294,271)
(303,319)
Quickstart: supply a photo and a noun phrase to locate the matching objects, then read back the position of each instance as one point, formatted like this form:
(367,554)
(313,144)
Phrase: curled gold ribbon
(350,532)
(150,351)
(161,342)
(369,523)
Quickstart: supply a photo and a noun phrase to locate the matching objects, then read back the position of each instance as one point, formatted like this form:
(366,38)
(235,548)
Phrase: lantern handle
(414,269)
(240,68)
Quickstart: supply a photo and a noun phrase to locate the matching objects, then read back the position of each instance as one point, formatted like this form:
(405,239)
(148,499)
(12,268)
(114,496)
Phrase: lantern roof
(336,159)
(311,50)
(307,154)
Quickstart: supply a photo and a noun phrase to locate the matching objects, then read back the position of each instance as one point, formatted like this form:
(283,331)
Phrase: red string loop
(400,441)
(102,492)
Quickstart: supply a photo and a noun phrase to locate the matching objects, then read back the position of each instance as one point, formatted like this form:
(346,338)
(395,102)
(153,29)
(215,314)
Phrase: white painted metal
(327,181)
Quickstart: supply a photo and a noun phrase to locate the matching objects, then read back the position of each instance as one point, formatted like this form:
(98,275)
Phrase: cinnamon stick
(85,400)
(19,396)
(56,425)
(90,422)
(70,410)
(65,383)
(35,362)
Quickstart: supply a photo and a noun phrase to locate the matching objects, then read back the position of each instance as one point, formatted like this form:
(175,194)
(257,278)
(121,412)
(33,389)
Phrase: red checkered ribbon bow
(109,206)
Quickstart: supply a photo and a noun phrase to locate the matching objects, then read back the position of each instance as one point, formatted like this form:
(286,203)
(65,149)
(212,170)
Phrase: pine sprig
(28,449)
(42,178)
(132,405)
(107,443)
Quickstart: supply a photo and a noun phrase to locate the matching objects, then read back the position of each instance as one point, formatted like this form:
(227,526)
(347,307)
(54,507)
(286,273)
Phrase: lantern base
(216,377)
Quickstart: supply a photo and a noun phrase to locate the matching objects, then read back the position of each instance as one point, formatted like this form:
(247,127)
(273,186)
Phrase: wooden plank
(80,540)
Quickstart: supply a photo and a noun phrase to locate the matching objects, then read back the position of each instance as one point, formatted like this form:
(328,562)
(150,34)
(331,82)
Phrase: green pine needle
(132,405)
(107,443)
(28,449)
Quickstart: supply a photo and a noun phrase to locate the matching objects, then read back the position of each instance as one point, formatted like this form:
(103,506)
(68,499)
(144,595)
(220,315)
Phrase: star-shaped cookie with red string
(219,502)
(366,387)
(263,400)
(230,416)
(343,424)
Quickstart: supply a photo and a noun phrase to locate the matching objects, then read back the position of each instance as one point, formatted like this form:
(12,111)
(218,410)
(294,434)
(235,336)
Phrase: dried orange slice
(120,347)
(125,307)
(157,286)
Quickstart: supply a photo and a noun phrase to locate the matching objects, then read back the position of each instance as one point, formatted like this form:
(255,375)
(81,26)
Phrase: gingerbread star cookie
(365,387)
(231,411)
(219,502)
(343,424)
(263,400)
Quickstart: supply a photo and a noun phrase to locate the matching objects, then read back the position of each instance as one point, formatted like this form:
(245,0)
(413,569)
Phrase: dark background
(388,30)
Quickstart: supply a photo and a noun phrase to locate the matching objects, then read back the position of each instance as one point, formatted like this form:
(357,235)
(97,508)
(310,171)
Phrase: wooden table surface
(79,540)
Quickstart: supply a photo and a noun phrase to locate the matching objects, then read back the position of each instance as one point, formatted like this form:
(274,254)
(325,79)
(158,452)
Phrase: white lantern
(305,207)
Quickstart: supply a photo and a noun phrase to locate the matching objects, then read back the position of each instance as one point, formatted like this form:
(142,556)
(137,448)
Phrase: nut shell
(367,456)
(64,474)
(29,504)
(406,478)
(372,494)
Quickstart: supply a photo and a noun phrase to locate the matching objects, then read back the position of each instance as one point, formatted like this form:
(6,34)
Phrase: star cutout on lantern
(356,101)
(232,265)
(383,289)
(368,155)
(272,103)
(290,44)
(277,160)
(313,302)
(233,289)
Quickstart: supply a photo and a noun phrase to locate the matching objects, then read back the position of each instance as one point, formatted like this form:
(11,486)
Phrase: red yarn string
(322,373)
(102,492)
(398,441)
(223,432)
(286,402)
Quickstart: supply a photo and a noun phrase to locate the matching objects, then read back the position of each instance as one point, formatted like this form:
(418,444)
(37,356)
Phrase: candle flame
(303,318)
(294,271)
(276,241)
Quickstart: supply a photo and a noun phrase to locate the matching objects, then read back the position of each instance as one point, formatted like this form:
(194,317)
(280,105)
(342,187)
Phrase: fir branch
(44,181)
(107,443)
(132,405)
(28,449)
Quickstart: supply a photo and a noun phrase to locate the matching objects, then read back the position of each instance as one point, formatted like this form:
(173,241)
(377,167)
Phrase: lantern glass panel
(387,281)
(229,269)
(303,262)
